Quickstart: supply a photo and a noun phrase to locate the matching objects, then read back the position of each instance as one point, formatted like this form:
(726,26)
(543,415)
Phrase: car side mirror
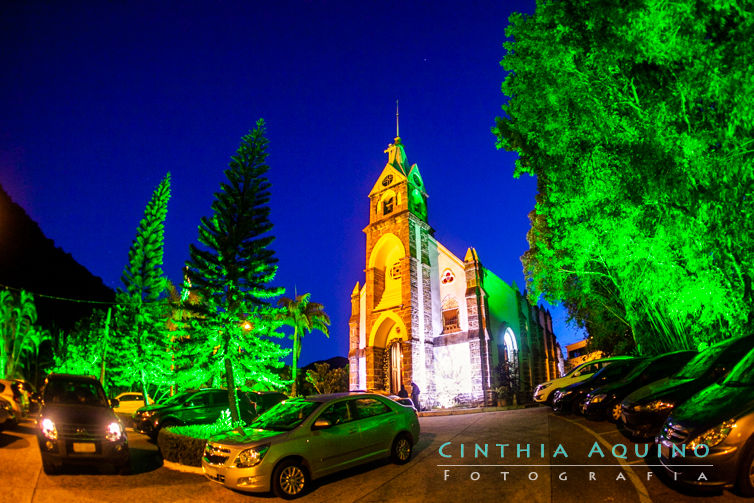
(321,424)
(114,402)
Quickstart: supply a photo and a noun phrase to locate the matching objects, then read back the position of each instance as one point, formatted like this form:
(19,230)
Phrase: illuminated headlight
(656,405)
(251,457)
(114,432)
(598,398)
(48,429)
(713,436)
(544,385)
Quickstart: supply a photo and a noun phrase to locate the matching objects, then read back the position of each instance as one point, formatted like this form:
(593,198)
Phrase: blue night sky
(100,99)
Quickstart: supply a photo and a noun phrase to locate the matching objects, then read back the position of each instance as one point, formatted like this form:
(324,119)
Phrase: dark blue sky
(100,99)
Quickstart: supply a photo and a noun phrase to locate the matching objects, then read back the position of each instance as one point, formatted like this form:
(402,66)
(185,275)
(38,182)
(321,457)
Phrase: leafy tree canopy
(636,118)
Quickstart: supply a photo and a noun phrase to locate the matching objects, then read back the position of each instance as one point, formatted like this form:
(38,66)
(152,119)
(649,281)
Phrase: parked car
(129,402)
(265,400)
(645,410)
(721,417)
(569,399)
(18,393)
(544,392)
(605,401)
(76,424)
(302,439)
(202,406)
(406,402)
(7,416)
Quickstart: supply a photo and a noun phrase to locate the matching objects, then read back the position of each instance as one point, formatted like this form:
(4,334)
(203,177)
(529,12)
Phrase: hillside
(31,261)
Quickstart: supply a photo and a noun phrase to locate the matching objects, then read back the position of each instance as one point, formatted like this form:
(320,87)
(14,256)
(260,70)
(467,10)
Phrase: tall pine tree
(231,270)
(142,348)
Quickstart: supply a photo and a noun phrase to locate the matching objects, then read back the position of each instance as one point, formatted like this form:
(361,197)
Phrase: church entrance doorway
(395,367)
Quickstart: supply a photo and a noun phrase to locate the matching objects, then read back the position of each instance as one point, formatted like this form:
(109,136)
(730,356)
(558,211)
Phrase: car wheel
(290,480)
(49,467)
(614,412)
(745,481)
(400,453)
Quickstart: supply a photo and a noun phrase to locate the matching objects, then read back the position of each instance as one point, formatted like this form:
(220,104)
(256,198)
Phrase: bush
(185,444)
(180,448)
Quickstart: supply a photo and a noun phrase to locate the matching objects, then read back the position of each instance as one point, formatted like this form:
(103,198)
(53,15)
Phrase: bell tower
(385,321)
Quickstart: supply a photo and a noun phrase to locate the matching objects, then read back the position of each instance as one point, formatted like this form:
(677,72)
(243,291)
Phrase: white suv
(543,392)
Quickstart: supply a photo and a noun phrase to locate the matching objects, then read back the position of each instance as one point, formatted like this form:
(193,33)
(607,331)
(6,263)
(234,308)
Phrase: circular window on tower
(447,276)
(387,180)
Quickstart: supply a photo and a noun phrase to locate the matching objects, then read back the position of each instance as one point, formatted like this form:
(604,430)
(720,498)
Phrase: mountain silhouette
(30,261)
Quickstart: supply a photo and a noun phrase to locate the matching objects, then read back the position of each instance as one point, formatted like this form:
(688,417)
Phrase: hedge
(180,448)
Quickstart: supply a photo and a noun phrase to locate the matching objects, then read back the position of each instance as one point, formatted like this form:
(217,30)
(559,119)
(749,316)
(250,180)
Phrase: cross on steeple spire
(397,131)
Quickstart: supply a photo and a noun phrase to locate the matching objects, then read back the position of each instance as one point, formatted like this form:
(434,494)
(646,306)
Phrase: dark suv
(204,406)
(77,424)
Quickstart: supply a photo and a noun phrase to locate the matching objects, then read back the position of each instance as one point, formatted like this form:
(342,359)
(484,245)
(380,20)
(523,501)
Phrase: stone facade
(426,318)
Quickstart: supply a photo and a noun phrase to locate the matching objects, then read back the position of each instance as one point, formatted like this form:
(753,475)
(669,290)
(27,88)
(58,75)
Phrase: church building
(428,319)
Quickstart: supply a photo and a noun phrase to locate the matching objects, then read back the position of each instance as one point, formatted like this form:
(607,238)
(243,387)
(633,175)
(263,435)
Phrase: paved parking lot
(441,470)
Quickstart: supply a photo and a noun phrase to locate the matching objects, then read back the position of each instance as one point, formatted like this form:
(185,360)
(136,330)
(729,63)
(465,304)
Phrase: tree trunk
(104,351)
(294,366)
(231,385)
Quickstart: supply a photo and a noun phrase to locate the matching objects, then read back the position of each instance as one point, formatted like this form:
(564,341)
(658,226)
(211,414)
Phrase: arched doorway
(396,367)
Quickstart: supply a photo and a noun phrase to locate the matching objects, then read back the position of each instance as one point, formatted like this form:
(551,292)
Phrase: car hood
(244,436)
(677,390)
(79,414)
(713,405)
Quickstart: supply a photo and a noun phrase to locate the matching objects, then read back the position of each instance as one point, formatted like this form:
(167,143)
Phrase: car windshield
(700,363)
(743,373)
(637,370)
(285,416)
(75,393)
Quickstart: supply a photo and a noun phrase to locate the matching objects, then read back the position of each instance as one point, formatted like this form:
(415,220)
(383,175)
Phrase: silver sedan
(303,439)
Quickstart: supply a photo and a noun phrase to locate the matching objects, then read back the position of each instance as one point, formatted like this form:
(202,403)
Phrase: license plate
(84,447)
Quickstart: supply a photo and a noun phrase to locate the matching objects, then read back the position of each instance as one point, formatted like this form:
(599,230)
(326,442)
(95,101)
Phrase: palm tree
(303,316)
(20,338)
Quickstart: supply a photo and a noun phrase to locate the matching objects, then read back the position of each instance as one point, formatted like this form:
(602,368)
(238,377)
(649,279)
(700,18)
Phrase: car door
(337,446)
(196,409)
(378,425)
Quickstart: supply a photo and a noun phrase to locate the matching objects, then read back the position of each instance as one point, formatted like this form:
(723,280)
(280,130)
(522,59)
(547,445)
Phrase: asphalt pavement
(526,455)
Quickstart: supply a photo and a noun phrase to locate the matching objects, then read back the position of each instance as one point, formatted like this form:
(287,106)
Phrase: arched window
(387,203)
(511,348)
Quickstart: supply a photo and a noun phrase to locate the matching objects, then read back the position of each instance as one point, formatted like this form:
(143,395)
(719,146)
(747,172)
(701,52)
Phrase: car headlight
(48,429)
(598,398)
(114,432)
(251,457)
(713,436)
(544,385)
(655,405)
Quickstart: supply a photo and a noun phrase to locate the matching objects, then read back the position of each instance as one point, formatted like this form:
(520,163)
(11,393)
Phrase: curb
(172,465)
(476,410)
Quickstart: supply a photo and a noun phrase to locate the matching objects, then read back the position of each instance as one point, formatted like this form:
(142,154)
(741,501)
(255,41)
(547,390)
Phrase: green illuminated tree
(20,337)
(324,380)
(232,269)
(637,120)
(303,316)
(142,348)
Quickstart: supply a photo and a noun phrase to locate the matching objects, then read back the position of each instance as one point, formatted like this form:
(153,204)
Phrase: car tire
(290,480)
(400,452)
(745,480)
(614,412)
(49,467)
